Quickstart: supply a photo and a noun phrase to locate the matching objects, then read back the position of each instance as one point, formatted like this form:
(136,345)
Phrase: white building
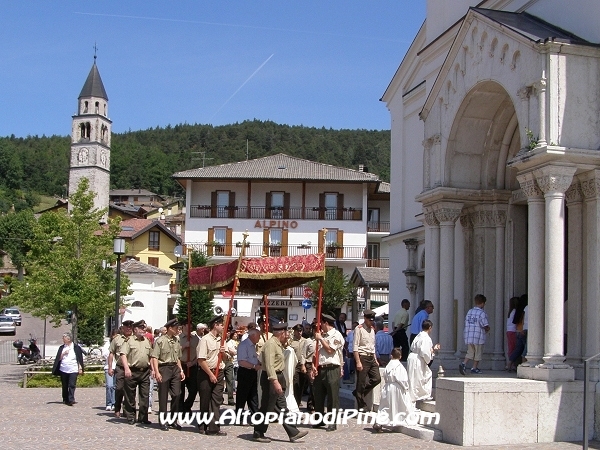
(285,203)
(495,187)
(150,293)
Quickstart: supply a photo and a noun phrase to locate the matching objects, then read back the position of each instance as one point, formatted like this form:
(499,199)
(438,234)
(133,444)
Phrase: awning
(259,275)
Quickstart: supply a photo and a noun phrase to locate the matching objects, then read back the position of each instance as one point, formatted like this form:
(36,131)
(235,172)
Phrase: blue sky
(319,63)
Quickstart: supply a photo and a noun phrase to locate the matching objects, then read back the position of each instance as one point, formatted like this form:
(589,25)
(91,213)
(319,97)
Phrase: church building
(495,190)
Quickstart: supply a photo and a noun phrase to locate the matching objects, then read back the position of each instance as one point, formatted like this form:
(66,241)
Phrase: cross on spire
(95,50)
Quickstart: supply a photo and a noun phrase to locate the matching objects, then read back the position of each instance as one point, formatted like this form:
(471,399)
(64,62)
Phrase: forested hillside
(147,159)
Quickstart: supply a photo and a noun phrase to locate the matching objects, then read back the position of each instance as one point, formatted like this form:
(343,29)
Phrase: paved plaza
(35,418)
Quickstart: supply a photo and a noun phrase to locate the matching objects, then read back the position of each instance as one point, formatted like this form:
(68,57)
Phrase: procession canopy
(259,275)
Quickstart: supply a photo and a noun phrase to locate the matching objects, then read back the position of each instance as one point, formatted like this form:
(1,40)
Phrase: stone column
(467,227)
(446,213)
(574,199)
(432,268)
(535,269)
(590,187)
(499,216)
(540,88)
(411,271)
(554,181)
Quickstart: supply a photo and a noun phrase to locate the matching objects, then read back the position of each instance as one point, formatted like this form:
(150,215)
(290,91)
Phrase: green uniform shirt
(138,352)
(115,347)
(272,357)
(167,349)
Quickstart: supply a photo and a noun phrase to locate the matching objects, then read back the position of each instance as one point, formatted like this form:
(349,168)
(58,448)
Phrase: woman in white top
(109,379)
(511,330)
(68,363)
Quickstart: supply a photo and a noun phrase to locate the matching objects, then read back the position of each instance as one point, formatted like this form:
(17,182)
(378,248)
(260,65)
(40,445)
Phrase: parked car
(7,325)
(14,313)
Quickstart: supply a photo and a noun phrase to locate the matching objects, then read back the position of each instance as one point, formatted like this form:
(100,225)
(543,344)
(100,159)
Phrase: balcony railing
(378,227)
(274,213)
(233,250)
(380,262)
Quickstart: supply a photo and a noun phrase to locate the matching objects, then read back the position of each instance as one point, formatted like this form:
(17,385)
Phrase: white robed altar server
(419,373)
(290,362)
(395,397)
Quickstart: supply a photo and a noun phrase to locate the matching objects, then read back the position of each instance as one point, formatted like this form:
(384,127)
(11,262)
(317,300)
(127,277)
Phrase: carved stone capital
(529,186)
(554,179)
(590,184)
(465,221)
(518,196)
(499,217)
(447,212)
(483,218)
(574,194)
(430,218)
(412,287)
(411,244)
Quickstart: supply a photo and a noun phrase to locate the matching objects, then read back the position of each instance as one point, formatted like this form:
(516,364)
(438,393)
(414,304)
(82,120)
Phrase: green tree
(16,231)
(201,306)
(65,272)
(337,290)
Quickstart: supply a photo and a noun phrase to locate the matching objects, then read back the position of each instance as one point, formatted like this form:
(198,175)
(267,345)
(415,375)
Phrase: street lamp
(118,249)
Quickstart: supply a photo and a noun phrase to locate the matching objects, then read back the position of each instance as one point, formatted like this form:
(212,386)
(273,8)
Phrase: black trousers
(401,341)
(119,386)
(367,379)
(191,384)
(272,402)
(211,398)
(327,384)
(69,382)
(299,383)
(247,389)
(229,382)
(139,379)
(170,385)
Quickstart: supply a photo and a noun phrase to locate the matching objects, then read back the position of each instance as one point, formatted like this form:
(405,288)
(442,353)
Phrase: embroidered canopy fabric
(259,275)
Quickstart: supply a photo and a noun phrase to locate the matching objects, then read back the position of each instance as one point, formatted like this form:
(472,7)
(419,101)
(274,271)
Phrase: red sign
(308,292)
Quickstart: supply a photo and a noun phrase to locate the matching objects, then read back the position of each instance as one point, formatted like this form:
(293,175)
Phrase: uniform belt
(366,354)
(167,364)
(139,369)
(328,366)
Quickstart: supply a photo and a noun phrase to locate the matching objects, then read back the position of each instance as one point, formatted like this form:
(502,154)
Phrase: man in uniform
(210,385)
(364,356)
(247,388)
(135,357)
(166,364)
(297,343)
(273,384)
(327,375)
(115,353)
(308,354)
(189,363)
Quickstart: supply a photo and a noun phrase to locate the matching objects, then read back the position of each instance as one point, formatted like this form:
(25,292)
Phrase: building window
(137,304)
(373,255)
(222,203)
(373,219)
(153,262)
(331,203)
(154,240)
(277,205)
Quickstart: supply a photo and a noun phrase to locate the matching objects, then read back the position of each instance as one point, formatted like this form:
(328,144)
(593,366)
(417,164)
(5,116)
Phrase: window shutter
(286,205)
(231,204)
(321,239)
(284,242)
(211,238)
(268,206)
(266,241)
(340,207)
(228,243)
(321,208)
(340,241)
(213,204)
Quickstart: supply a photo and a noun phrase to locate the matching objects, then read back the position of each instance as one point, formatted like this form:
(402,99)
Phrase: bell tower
(90,140)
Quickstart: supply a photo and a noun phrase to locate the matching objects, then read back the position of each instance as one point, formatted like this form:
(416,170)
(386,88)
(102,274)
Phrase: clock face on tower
(83,156)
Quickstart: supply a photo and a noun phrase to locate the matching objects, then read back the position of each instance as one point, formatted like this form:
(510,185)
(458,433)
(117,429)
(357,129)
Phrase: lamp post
(118,249)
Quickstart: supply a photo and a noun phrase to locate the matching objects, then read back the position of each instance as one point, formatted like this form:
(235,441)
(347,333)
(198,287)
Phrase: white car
(14,313)
(7,325)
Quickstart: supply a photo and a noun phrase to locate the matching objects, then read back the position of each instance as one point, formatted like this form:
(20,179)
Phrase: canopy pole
(233,290)
(189,315)
(320,305)
(266,303)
